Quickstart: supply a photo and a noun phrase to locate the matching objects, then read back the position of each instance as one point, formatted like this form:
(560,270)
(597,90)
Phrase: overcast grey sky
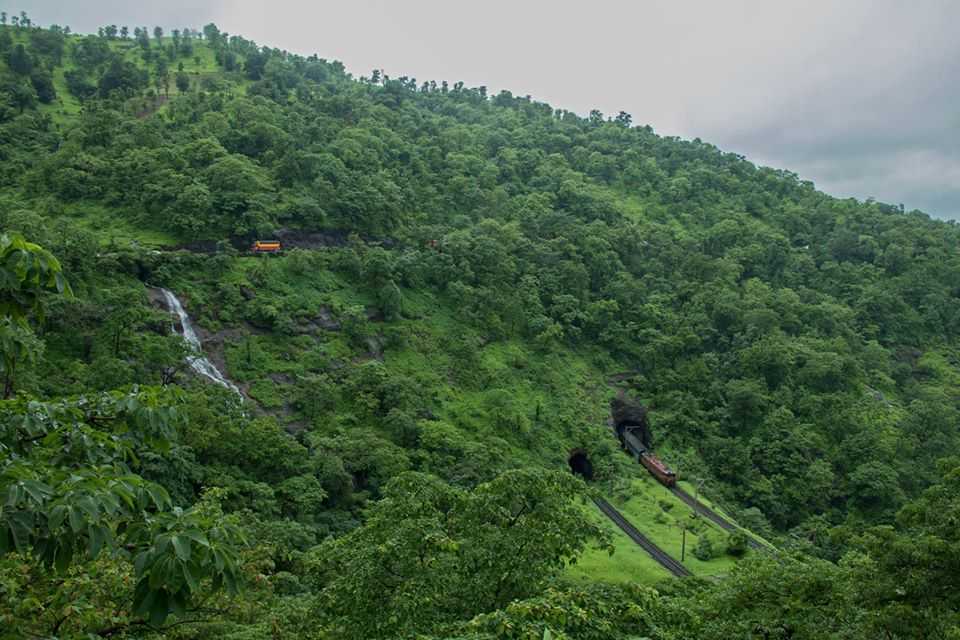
(860,96)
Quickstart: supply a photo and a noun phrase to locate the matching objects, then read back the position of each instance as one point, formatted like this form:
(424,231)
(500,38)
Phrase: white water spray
(199,362)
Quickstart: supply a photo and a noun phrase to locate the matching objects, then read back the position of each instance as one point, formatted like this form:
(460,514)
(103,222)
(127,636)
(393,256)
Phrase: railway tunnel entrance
(626,413)
(580,465)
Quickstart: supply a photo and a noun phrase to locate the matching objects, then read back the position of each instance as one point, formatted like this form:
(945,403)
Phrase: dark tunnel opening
(580,464)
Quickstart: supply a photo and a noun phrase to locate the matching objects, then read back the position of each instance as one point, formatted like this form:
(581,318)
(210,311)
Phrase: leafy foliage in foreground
(428,553)
(70,496)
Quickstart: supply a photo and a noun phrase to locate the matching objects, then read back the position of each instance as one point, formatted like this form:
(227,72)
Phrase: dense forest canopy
(465,275)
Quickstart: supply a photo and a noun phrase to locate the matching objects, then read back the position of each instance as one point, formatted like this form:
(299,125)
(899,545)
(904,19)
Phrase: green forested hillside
(466,282)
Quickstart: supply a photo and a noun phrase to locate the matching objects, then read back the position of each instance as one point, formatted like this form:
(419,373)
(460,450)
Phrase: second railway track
(658,554)
(709,513)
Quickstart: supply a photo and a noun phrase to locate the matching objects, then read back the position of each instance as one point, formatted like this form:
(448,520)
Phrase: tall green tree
(429,554)
(27,273)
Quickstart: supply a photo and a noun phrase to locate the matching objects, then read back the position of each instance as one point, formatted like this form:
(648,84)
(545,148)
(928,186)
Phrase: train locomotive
(632,443)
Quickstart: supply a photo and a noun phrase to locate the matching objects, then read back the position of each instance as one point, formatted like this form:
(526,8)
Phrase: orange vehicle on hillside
(266,246)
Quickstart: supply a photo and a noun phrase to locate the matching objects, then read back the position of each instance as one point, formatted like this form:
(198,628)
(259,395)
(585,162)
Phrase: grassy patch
(689,488)
(66,107)
(114,228)
(629,563)
(661,516)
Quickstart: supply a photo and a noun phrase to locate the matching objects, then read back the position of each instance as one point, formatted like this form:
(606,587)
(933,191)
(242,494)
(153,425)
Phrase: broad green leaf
(196,536)
(76,520)
(158,494)
(193,581)
(63,556)
(97,538)
(178,603)
(143,597)
(56,517)
(140,563)
(21,529)
(159,608)
(37,491)
(90,507)
(181,545)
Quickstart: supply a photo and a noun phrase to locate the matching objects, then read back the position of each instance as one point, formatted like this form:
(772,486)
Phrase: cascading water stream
(199,362)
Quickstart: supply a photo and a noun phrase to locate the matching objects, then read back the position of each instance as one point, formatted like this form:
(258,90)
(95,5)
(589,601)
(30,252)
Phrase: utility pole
(683,545)
(696,494)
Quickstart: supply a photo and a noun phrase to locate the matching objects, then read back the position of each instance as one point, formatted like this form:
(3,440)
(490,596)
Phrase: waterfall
(199,362)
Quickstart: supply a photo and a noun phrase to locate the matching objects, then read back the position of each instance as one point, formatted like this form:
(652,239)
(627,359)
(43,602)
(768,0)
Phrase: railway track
(712,515)
(658,554)
(636,449)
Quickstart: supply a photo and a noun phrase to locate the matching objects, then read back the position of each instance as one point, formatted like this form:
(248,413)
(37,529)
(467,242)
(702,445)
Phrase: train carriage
(630,439)
(632,444)
(658,469)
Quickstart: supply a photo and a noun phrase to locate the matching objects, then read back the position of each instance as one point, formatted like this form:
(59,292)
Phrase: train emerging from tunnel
(633,444)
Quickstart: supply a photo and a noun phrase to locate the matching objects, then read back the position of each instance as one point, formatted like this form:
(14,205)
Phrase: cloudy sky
(860,96)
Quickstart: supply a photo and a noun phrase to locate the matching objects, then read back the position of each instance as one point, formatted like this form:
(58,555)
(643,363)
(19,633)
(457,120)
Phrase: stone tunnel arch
(580,464)
(626,414)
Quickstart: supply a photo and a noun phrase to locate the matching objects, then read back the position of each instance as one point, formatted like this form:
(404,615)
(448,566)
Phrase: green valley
(465,281)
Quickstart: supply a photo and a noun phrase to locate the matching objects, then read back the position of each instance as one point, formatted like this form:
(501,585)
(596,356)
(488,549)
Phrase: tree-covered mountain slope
(467,280)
